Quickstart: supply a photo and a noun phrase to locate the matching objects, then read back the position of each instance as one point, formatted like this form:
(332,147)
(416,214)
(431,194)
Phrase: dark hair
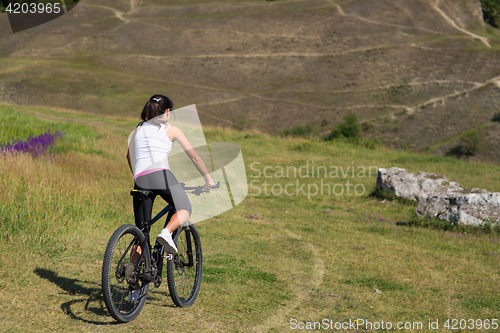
(156,106)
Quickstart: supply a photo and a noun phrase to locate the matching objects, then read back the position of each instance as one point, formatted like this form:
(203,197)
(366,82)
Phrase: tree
(491,12)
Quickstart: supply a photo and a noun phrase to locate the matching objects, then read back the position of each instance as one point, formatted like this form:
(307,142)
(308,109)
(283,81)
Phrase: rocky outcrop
(440,198)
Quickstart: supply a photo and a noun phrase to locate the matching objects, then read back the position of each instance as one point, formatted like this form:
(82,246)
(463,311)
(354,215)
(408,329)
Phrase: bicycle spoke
(184,271)
(121,275)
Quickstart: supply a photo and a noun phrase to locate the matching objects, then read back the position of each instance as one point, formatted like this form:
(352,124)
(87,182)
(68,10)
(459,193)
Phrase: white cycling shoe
(165,239)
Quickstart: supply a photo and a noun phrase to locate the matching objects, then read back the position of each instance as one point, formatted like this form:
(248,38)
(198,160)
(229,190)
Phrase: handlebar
(197,190)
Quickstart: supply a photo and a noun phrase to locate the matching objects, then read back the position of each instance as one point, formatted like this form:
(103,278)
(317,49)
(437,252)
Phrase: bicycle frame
(129,265)
(158,216)
(148,276)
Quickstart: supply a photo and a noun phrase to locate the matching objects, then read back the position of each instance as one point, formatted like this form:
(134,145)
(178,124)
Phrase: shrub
(491,12)
(301,146)
(299,131)
(335,134)
(471,142)
(371,144)
(238,124)
(468,145)
(349,128)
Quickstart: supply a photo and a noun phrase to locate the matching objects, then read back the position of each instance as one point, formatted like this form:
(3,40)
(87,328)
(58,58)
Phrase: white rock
(438,197)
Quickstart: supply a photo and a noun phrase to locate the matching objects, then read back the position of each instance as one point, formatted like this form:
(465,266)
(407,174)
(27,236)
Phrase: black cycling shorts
(164,184)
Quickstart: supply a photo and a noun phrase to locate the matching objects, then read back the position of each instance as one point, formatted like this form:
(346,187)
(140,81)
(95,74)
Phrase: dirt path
(302,293)
(435,6)
(364,19)
(442,99)
(116,12)
(267,55)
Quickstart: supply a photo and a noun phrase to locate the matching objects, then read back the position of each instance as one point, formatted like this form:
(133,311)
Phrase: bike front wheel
(184,269)
(122,272)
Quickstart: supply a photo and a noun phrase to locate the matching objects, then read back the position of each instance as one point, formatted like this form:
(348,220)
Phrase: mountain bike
(131,263)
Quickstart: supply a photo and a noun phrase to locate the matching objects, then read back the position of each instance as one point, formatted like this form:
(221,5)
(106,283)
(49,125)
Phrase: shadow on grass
(88,302)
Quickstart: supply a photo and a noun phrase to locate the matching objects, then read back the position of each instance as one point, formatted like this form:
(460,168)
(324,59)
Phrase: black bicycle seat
(141,194)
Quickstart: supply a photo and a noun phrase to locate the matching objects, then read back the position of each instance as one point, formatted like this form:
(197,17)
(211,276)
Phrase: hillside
(421,74)
(274,260)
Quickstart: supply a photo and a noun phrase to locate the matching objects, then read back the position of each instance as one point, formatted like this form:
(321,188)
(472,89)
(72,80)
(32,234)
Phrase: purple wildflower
(34,145)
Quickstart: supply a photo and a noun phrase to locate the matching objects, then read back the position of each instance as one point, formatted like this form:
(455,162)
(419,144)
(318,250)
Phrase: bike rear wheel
(120,275)
(185,269)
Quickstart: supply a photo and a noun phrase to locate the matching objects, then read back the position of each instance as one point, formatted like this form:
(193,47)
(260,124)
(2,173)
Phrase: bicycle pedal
(134,295)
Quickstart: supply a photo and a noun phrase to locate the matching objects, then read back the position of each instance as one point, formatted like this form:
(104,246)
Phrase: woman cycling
(147,156)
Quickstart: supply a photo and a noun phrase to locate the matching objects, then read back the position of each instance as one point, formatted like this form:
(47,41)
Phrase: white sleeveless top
(152,146)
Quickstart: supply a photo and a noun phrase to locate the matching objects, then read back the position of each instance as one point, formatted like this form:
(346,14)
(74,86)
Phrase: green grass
(18,123)
(272,258)
(15,125)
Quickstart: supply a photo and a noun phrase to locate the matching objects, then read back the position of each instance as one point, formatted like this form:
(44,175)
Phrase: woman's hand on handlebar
(208,185)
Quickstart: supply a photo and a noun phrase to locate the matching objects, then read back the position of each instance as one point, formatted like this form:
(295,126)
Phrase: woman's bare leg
(177,220)
(135,254)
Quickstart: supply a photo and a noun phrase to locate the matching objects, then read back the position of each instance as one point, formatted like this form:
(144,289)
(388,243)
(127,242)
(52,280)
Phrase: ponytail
(156,106)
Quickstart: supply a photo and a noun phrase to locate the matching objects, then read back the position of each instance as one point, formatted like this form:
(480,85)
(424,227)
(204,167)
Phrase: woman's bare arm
(178,135)
(131,147)
(129,162)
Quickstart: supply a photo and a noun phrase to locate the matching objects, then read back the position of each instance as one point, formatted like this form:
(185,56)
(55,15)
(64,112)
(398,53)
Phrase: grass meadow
(284,255)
